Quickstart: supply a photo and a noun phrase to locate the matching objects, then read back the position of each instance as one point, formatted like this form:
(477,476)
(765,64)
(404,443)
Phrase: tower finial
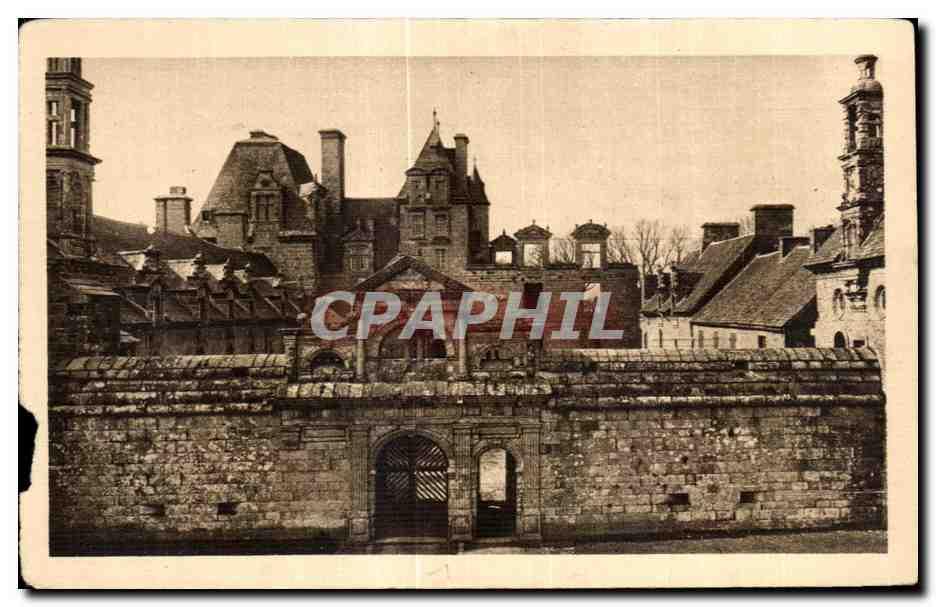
(435,118)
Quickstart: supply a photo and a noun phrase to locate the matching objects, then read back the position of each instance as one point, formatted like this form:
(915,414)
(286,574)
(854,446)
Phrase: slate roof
(434,155)
(716,265)
(261,152)
(114,237)
(476,190)
(769,292)
(831,249)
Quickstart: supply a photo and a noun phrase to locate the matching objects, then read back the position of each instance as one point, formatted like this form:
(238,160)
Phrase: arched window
(839,340)
(880,304)
(326,359)
(838,303)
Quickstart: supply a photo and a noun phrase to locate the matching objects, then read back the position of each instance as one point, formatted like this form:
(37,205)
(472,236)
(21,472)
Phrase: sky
(562,140)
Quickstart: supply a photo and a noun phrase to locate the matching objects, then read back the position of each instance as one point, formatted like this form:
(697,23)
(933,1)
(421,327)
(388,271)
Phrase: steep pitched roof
(831,249)
(115,237)
(873,245)
(476,191)
(769,292)
(715,264)
(260,153)
(434,155)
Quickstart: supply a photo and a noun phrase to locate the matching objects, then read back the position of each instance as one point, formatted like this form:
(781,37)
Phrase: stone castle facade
(272,236)
(304,445)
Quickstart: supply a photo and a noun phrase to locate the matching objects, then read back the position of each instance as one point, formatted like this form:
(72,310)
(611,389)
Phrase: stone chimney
(716,232)
(333,167)
(788,243)
(771,223)
(820,235)
(461,162)
(174,211)
(650,285)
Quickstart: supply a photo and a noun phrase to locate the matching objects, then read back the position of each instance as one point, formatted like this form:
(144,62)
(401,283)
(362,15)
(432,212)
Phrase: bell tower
(862,157)
(69,163)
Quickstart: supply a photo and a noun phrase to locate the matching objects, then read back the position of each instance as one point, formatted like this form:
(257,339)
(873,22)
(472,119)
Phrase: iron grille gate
(412,489)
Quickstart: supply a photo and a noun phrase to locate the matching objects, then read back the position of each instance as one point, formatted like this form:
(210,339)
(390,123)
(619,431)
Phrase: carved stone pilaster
(530,516)
(360,360)
(359,521)
(461,521)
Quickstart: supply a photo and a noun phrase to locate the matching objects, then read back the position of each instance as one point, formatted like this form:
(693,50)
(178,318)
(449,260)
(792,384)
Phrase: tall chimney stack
(771,223)
(333,167)
(716,232)
(174,211)
(461,162)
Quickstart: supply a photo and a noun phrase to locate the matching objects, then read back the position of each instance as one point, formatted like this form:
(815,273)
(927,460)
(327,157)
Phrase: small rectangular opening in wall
(240,372)
(747,497)
(154,510)
(227,508)
(677,499)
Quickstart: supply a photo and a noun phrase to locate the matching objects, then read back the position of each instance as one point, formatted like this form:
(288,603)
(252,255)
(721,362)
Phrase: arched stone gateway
(411,491)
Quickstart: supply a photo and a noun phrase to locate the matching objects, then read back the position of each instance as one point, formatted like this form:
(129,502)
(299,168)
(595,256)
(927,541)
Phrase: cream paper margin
(892,41)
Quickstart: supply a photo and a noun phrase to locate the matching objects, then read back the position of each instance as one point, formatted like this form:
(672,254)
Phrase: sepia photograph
(455,305)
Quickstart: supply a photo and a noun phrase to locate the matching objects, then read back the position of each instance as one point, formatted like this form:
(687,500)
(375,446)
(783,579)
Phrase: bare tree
(562,250)
(648,243)
(619,249)
(678,244)
(746,224)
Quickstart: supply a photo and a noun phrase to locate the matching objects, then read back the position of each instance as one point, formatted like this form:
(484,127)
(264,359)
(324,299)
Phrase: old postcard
(469,304)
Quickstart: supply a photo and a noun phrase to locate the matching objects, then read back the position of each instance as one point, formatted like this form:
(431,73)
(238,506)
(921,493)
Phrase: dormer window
(503,258)
(206,215)
(533,255)
(591,255)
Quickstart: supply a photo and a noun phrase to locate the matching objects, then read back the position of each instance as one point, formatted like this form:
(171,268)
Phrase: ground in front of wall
(846,541)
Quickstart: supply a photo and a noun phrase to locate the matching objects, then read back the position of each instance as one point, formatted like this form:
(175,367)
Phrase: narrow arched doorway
(497,493)
(839,340)
(411,489)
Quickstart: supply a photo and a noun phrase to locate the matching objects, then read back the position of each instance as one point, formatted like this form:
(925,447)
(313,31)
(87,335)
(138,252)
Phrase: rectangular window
(503,258)
(533,255)
(761,341)
(733,341)
(701,339)
(715,340)
(440,258)
(418,225)
(53,108)
(442,224)
(591,255)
